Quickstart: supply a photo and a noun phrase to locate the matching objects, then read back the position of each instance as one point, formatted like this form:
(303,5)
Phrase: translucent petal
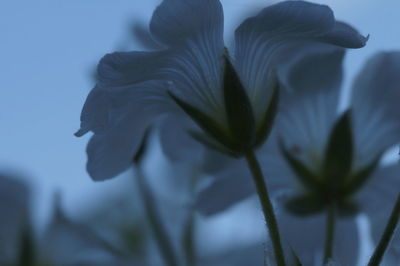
(306,124)
(376,110)
(69,243)
(377,199)
(193,32)
(262,40)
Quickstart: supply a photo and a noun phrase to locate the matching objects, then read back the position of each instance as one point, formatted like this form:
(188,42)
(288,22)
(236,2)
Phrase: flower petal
(375,106)
(262,40)
(377,198)
(118,81)
(193,32)
(111,151)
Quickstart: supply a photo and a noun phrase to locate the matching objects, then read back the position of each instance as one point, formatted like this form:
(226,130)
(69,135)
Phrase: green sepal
(267,122)
(208,124)
(339,152)
(238,108)
(307,177)
(212,144)
(305,205)
(357,179)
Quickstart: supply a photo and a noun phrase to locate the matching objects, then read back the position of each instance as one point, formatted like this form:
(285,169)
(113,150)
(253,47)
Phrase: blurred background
(48,53)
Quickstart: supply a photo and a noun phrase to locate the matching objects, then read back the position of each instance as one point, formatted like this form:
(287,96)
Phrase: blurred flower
(231,99)
(330,156)
(64,243)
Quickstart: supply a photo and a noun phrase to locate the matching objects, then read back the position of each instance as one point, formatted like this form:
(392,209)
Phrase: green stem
(330,233)
(262,190)
(159,231)
(376,258)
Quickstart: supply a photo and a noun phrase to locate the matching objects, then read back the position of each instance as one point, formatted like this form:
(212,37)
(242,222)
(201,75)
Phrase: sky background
(48,52)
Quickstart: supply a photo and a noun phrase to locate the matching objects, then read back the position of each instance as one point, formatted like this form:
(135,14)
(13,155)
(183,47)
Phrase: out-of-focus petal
(262,40)
(376,109)
(311,67)
(377,199)
(14,209)
(120,77)
(69,243)
(193,32)
(305,126)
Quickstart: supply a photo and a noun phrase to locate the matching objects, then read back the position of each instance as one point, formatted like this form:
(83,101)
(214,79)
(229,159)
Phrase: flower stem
(376,258)
(330,233)
(262,190)
(164,245)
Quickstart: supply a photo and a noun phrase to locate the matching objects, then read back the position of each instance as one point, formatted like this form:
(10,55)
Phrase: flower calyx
(239,133)
(335,181)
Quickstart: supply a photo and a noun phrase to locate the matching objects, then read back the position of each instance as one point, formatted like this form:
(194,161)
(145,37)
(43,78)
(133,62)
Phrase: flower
(64,242)
(330,156)
(194,82)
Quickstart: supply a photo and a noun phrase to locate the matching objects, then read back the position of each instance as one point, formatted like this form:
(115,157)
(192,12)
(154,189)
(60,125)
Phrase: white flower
(331,156)
(229,98)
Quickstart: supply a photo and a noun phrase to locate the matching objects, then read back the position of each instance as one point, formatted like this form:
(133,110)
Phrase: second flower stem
(387,235)
(330,233)
(267,207)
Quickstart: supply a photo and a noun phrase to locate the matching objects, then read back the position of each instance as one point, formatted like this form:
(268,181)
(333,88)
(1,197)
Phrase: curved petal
(111,150)
(193,32)
(262,40)
(231,186)
(120,82)
(375,106)
(306,236)
(312,67)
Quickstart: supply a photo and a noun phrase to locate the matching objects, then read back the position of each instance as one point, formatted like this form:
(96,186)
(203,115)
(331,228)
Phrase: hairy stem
(376,258)
(262,190)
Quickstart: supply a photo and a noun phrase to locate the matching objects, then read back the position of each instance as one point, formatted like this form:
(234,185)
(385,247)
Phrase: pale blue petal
(177,21)
(119,82)
(376,109)
(193,32)
(261,41)
(231,186)
(306,124)
(377,199)
(312,67)
(111,152)
(128,68)
(66,242)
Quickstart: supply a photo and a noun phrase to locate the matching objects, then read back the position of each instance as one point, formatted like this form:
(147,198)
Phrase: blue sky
(48,50)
